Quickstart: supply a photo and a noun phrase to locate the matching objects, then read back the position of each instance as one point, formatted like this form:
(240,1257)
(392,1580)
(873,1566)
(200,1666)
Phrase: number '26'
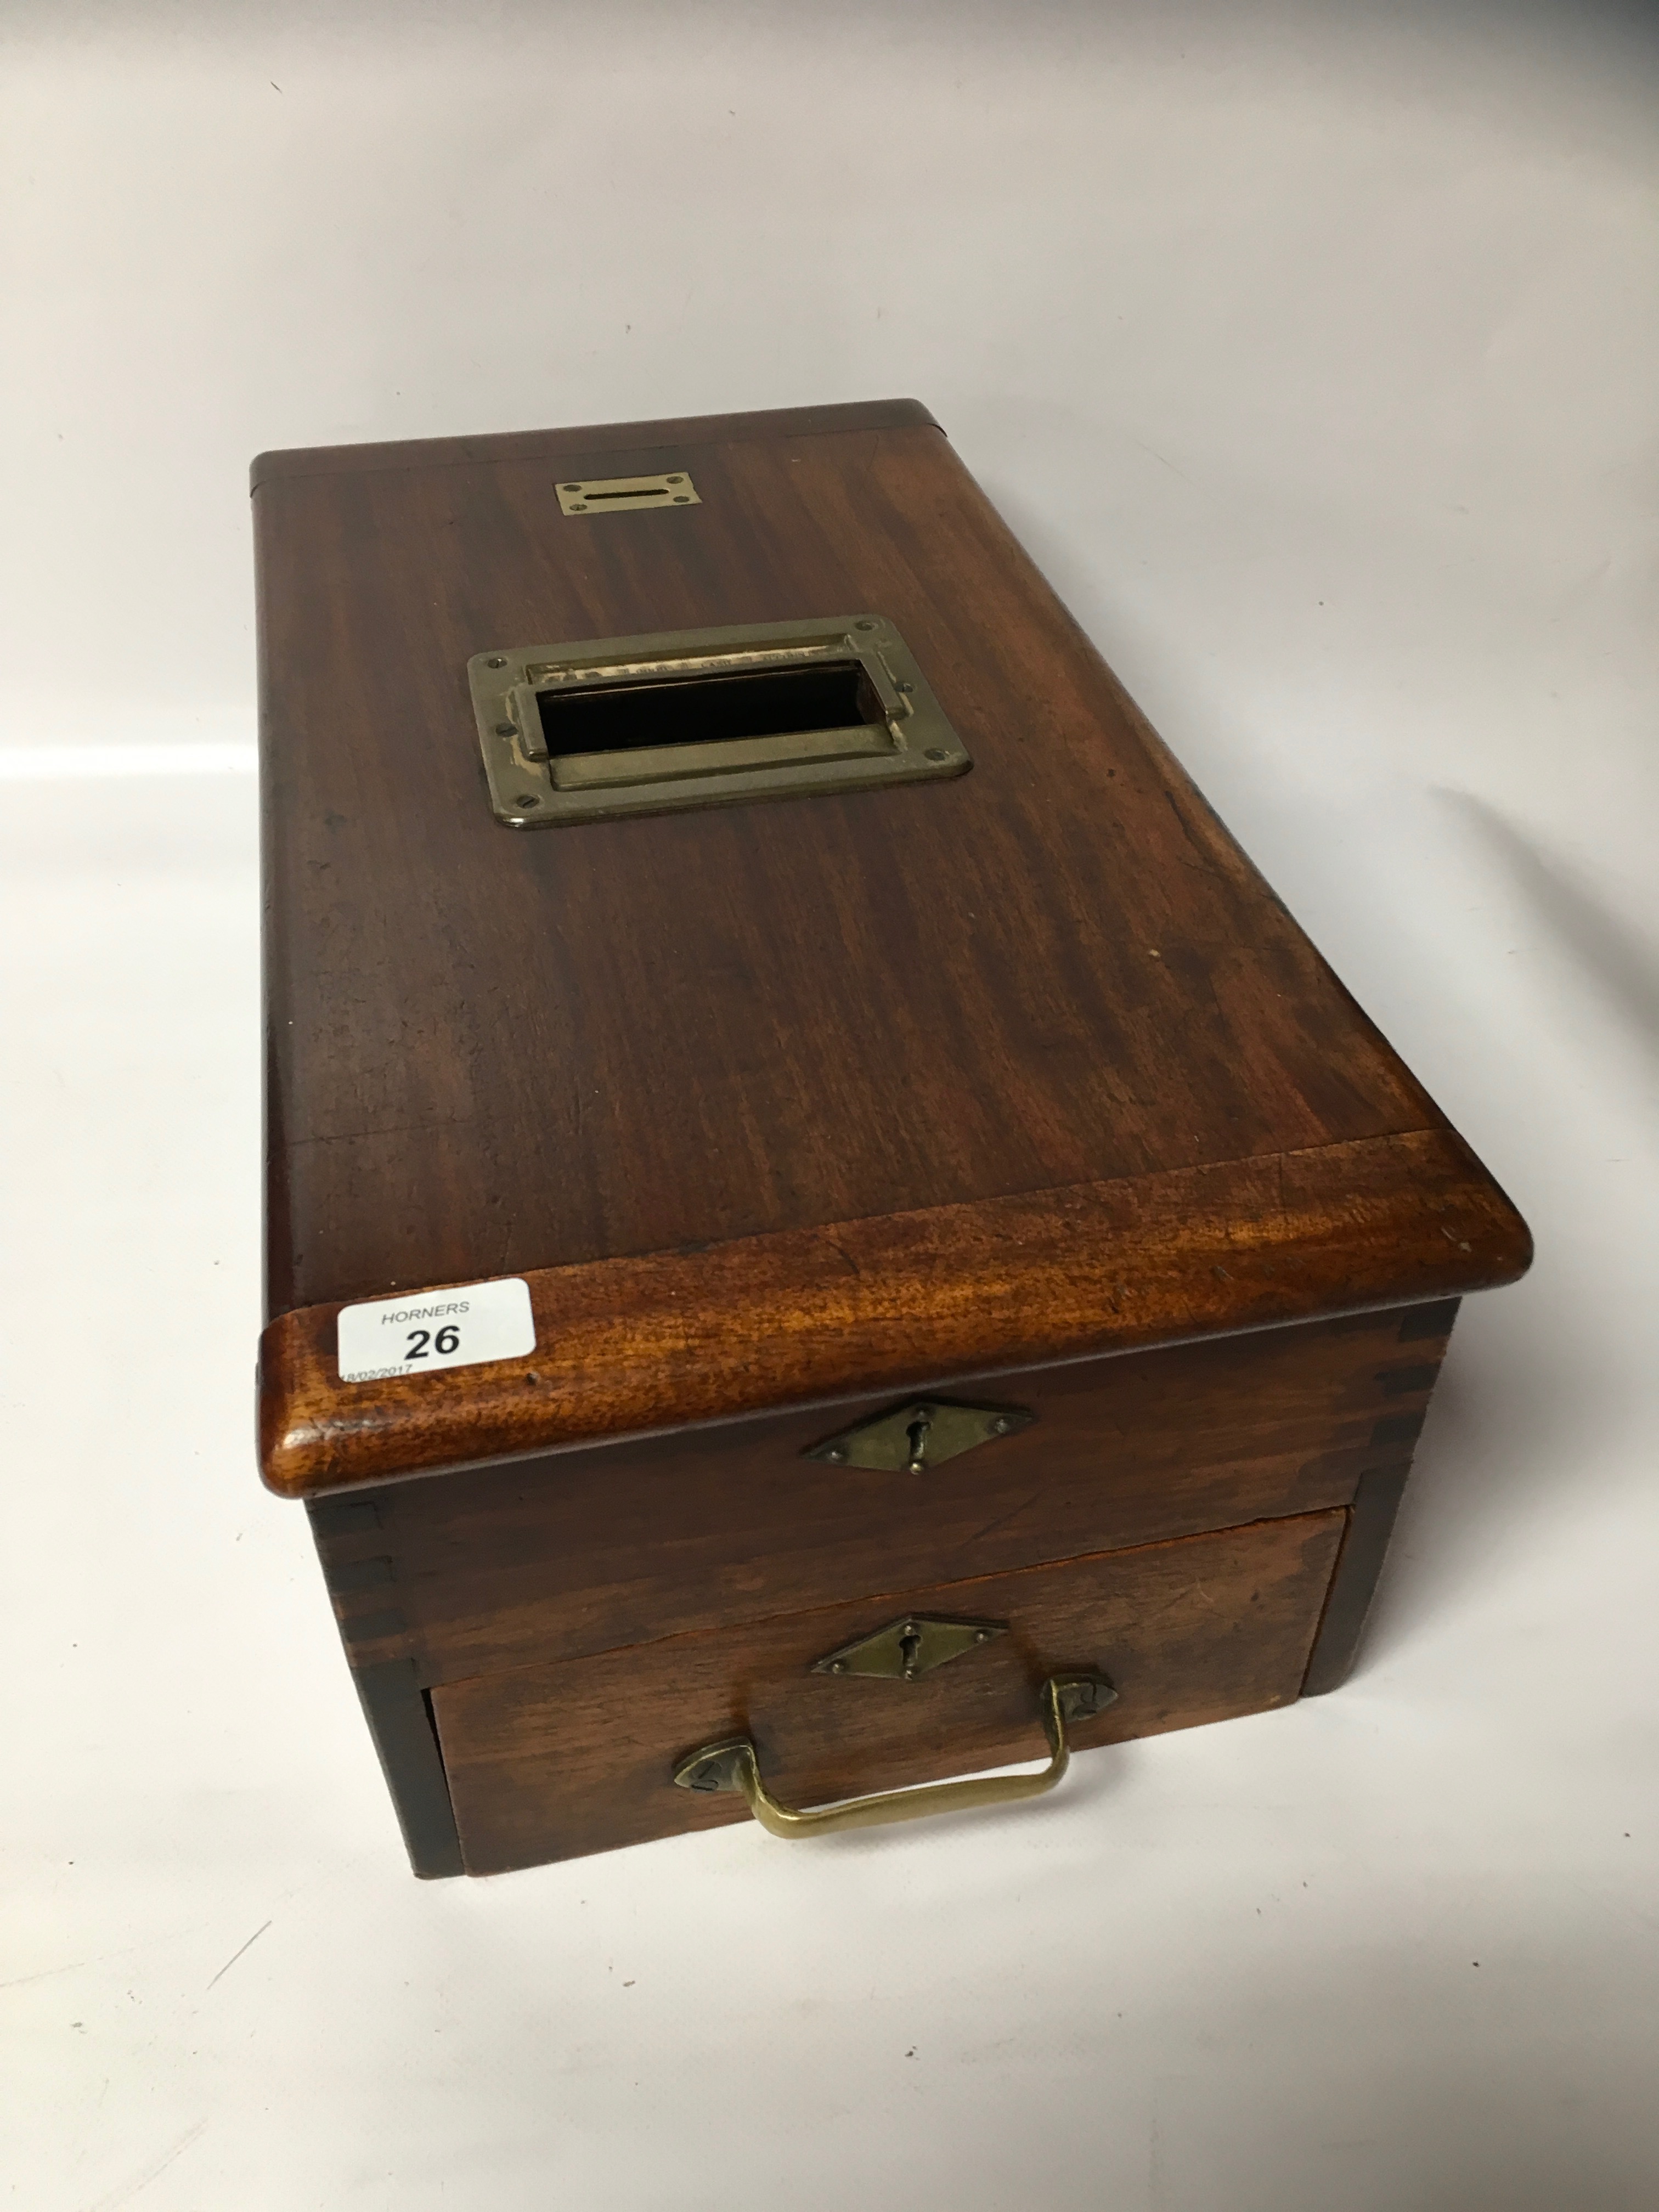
(449,1339)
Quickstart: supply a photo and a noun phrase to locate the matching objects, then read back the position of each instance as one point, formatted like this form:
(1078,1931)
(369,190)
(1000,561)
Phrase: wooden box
(689,1050)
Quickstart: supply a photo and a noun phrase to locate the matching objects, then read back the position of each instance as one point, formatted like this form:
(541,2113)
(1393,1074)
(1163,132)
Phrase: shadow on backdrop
(1622,965)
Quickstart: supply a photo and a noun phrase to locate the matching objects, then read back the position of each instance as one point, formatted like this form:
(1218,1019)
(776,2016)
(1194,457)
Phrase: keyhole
(910,1650)
(917,1433)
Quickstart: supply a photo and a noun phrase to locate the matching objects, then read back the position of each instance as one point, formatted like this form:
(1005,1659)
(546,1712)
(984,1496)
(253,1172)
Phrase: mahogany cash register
(827,1233)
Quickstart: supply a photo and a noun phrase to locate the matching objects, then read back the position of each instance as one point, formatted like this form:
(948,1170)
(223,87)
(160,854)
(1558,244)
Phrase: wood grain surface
(555,1760)
(627,1346)
(493,1053)
(628,1543)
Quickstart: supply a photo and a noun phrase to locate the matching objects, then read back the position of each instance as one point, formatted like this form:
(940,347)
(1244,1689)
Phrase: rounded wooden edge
(673,1339)
(288,462)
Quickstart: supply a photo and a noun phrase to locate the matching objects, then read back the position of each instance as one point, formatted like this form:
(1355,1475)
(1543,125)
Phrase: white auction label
(430,1329)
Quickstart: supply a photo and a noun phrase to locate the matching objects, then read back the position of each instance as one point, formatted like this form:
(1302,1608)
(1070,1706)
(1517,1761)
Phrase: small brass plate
(623,495)
(919,1435)
(619,725)
(910,1646)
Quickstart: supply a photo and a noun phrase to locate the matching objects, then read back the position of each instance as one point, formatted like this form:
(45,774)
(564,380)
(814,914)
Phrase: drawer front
(552,1761)
(476,1573)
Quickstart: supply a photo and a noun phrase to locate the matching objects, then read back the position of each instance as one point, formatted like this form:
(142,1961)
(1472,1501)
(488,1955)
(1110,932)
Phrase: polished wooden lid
(785,1100)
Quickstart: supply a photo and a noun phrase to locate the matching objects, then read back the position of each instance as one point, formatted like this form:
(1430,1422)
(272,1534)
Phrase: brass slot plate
(920,1434)
(627,494)
(911,742)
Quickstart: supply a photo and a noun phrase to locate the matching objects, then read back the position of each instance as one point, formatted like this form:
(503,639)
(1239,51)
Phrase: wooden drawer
(551,1761)
(552,1558)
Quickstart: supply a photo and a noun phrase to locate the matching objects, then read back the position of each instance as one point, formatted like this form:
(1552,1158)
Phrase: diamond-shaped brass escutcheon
(920,1434)
(912,1644)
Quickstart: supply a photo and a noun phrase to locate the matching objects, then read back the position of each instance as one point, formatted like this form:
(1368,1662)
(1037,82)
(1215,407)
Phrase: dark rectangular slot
(706,710)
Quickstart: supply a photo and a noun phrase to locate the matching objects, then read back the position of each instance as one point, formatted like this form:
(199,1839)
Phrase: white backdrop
(1313,352)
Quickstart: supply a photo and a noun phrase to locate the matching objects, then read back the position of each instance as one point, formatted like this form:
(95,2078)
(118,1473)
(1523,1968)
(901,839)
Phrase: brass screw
(682,499)
(677,479)
(496,660)
(935,752)
(1001,1425)
(526,799)
(866,625)
(838,1666)
(569,487)
(838,1455)
(503,729)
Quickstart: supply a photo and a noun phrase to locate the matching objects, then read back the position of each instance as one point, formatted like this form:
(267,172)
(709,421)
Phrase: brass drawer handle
(732,1764)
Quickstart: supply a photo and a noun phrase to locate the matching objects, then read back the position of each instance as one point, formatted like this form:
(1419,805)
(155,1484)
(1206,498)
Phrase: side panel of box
(460,1579)
(351,1536)
(594,1550)
(1376,1505)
